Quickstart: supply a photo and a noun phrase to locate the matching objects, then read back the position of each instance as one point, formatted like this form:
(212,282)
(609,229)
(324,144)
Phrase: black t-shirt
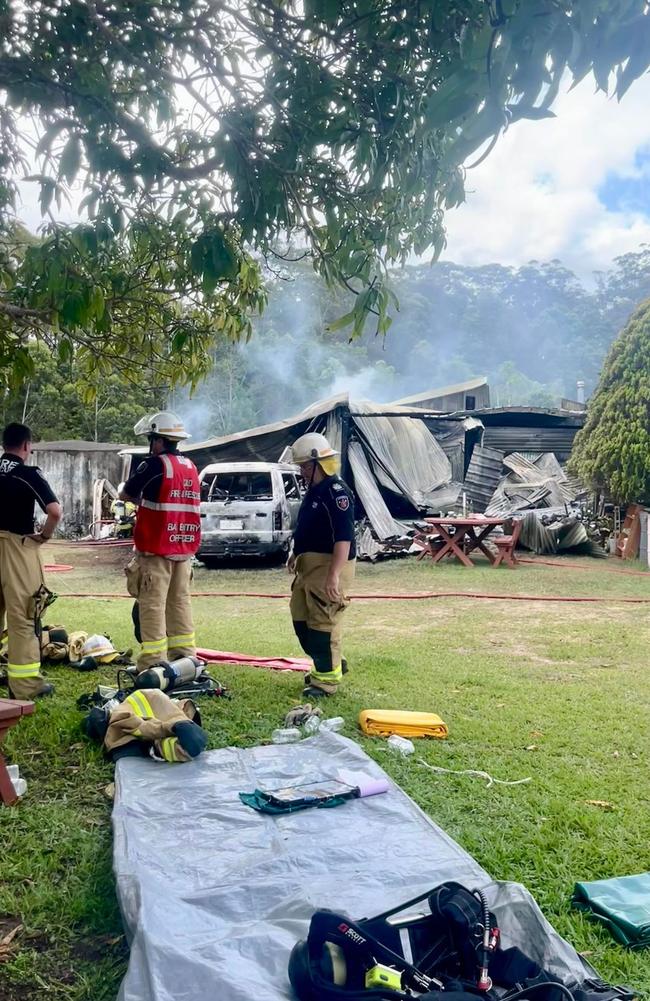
(326,516)
(21,487)
(147,479)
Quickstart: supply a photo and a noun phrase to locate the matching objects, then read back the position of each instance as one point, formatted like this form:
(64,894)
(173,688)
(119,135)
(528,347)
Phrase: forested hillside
(533,331)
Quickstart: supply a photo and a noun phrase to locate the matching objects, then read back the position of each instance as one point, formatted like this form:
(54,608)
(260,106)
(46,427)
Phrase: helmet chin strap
(314,463)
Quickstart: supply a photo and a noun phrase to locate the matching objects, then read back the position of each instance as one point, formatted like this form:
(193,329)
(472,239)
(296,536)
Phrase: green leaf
(65,350)
(517,111)
(197,255)
(342,322)
(70,159)
(50,134)
(48,188)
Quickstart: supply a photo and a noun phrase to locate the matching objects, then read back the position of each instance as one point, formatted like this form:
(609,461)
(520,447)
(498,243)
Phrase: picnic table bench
(461,536)
(11,713)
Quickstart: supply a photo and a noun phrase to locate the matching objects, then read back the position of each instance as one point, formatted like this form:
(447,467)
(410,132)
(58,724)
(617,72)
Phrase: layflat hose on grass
(581,566)
(417,596)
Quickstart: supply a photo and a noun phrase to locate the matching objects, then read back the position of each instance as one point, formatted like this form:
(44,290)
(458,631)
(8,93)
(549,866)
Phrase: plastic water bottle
(289,736)
(312,726)
(334,725)
(401,744)
(19,784)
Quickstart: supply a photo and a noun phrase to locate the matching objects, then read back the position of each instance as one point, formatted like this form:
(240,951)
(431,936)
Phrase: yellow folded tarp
(384,722)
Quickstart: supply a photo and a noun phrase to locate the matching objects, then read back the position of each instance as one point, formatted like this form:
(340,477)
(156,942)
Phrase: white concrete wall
(71,476)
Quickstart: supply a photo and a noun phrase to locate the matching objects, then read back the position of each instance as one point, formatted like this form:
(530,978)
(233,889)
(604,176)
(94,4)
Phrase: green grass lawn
(558,692)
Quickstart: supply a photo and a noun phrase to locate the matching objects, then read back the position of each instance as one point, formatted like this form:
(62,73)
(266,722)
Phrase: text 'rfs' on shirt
(21,487)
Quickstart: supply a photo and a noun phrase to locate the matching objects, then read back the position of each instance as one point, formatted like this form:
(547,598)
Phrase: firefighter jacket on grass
(150,719)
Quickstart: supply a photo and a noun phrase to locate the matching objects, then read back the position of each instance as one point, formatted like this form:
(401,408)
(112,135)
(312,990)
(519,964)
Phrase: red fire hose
(417,596)
(581,566)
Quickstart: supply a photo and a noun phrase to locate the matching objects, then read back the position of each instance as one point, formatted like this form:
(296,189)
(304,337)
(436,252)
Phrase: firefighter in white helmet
(323,559)
(166,536)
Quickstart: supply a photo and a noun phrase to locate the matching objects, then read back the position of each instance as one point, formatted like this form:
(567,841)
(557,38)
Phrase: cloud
(559,187)
(576,187)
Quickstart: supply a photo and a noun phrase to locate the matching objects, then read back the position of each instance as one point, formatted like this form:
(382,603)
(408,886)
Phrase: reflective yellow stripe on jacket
(168,748)
(140,705)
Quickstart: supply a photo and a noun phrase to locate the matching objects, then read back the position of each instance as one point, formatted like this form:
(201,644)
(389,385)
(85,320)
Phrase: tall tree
(612,451)
(347,122)
(59,403)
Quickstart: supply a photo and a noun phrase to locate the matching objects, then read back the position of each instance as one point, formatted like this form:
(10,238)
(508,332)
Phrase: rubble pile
(537,490)
(550,503)
(542,483)
(553,531)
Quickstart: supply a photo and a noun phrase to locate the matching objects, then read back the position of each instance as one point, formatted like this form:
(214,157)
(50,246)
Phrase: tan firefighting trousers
(21,575)
(150,716)
(317,622)
(162,588)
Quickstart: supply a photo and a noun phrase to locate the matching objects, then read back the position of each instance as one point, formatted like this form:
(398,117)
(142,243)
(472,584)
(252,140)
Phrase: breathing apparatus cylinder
(169,675)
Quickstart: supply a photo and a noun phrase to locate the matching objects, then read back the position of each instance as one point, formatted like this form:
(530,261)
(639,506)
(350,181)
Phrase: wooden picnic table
(469,533)
(11,713)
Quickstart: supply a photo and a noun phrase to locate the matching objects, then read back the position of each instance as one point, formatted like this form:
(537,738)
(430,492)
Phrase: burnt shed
(530,429)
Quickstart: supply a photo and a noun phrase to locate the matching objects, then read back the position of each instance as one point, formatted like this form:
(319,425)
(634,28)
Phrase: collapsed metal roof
(394,462)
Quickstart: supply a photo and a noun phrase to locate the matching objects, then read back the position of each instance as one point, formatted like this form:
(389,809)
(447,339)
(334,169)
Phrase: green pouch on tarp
(621,904)
(259,801)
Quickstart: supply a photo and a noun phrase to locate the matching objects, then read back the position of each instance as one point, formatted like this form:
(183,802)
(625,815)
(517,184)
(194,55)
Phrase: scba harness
(454,948)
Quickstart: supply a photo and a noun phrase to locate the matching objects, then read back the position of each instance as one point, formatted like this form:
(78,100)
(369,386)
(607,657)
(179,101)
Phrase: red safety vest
(171,526)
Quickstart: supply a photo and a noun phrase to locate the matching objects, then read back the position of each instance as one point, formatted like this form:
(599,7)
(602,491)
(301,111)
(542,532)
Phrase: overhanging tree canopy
(612,451)
(239,122)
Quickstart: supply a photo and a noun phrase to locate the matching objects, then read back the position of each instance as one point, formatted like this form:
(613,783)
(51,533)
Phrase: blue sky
(628,192)
(576,187)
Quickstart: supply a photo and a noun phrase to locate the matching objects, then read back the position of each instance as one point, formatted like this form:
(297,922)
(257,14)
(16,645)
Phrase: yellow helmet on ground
(163,424)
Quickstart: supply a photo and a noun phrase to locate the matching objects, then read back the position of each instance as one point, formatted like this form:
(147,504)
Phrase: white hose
(475,772)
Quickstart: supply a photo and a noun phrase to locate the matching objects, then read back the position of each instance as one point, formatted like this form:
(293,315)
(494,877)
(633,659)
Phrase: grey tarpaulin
(214,895)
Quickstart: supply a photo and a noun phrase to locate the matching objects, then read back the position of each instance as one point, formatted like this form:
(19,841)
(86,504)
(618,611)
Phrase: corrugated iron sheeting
(382,521)
(483,475)
(522,468)
(404,456)
(549,466)
(511,496)
(525,439)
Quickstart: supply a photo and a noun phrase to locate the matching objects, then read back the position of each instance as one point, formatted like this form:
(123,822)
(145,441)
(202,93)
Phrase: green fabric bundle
(259,801)
(621,904)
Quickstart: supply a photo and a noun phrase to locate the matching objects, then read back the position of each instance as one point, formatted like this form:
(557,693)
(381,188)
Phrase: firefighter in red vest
(166,536)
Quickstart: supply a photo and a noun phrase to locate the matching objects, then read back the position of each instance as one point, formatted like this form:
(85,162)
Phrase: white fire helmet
(164,424)
(99,647)
(310,447)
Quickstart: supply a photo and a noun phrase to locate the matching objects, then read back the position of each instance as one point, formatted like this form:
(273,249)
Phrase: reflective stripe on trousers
(333,677)
(24,670)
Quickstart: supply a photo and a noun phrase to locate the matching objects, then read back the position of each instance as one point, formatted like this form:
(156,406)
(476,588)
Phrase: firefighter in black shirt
(323,560)
(21,569)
